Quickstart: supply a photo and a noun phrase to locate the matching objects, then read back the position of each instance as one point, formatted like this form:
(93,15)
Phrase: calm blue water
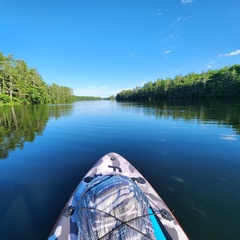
(189,152)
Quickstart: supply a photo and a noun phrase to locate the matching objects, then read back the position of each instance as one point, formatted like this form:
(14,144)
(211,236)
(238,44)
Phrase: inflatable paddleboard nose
(113,207)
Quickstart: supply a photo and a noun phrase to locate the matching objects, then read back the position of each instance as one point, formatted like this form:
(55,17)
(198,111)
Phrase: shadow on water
(20,124)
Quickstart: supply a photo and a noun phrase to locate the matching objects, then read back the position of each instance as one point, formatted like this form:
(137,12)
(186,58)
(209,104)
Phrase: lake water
(188,150)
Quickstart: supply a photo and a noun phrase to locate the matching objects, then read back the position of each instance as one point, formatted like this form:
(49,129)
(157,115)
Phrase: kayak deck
(164,223)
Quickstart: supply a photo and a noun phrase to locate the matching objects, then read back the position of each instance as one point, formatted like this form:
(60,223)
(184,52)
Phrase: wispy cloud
(159,13)
(210,64)
(181,19)
(133,53)
(237,52)
(171,36)
(167,52)
(186,1)
(178,19)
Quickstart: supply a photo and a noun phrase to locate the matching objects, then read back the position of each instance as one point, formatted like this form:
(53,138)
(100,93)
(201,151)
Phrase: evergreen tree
(19,83)
(224,82)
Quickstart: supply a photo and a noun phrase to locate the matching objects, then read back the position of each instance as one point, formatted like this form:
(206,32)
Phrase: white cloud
(237,52)
(210,63)
(167,52)
(186,1)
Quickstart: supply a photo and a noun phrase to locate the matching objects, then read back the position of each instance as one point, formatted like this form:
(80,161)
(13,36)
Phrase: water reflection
(189,164)
(217,111)
(20,124)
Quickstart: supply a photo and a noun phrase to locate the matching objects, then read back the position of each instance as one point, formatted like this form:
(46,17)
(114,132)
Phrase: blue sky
(100,47)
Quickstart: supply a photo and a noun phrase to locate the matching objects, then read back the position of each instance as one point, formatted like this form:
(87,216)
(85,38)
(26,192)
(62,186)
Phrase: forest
(24,85)
(224,82)
(86,98)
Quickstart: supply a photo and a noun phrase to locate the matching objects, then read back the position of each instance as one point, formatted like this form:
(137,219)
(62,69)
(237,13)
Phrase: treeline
(224,82)
(85,98)
(19,83)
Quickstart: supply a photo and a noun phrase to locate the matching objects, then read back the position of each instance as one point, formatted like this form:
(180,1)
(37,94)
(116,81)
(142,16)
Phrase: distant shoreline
(224,82)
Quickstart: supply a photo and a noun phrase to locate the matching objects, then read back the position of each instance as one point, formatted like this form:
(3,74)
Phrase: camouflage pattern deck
(66,226)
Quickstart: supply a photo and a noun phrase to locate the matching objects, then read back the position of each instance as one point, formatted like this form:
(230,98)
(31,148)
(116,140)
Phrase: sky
(100,47)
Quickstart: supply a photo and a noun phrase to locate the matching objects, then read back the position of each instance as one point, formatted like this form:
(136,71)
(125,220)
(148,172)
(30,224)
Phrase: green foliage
(18,83)
(85,98)
(4,98)
(60,94)
(224,82)
(112,97)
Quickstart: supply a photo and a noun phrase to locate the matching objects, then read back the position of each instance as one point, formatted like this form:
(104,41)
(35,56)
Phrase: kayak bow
(114,201)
